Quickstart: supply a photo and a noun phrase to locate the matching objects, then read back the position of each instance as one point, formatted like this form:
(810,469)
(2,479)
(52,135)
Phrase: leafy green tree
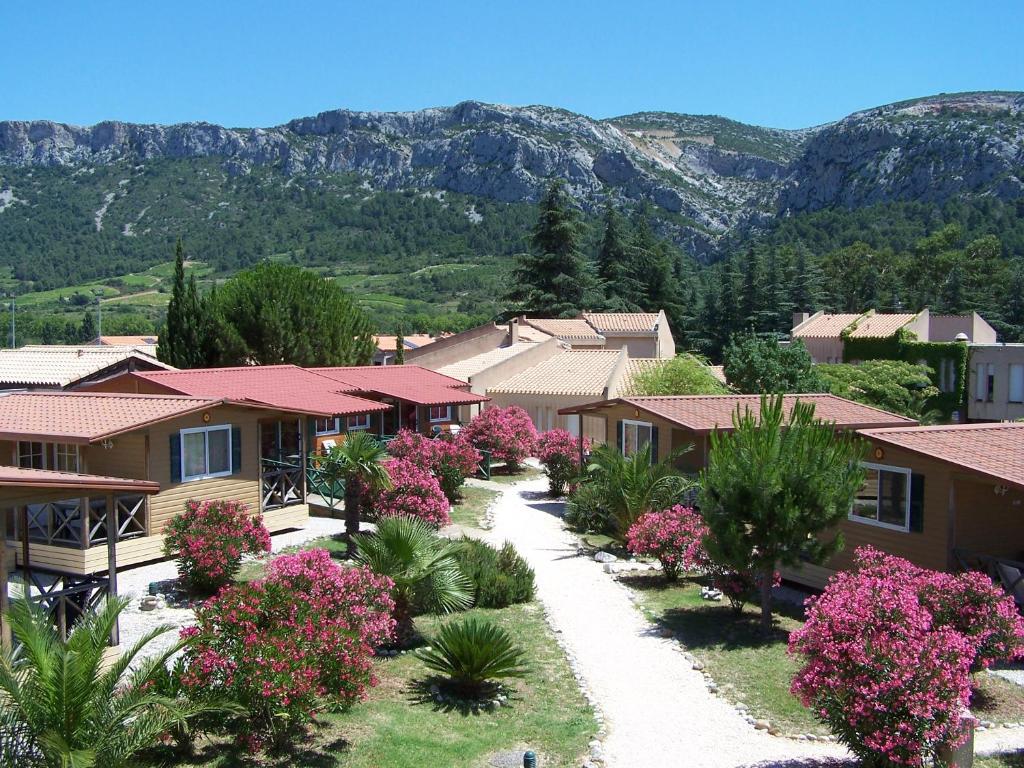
(774,487)
(553,280)
(358,462)
(684,374)
(757,365)
(62,706)
(892,385)
(286,314)
(180,342)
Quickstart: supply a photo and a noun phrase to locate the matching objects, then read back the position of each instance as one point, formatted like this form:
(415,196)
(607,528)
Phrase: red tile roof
(287,387)
(18,477)
(410,383)
(88,417)
(994,450)
(705,413)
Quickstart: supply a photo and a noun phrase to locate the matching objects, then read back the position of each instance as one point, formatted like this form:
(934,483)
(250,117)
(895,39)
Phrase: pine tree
(622,290)
(87,330)
(749,298)
(180,343)
(805,283)
(774,314)
(553,280)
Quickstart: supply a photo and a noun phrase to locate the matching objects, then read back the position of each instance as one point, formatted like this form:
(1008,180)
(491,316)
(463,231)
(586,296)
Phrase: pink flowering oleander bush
(508,433)
(888,649)
(559,452)
(209,540)
(675,537)
(451,459)
(414,492)
(289,645)
(414,448)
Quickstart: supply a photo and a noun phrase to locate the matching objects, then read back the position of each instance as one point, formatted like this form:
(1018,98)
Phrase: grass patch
(397,727)
(500,473)
(472,505)
(751,667)
(1008,760)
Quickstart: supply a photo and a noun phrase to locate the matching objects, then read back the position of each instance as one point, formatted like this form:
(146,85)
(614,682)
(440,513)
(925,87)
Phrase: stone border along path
(652,707)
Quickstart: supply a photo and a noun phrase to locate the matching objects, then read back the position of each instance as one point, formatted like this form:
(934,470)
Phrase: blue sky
(784,64)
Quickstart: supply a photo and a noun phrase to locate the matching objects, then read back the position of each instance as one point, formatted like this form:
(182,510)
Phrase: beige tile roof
(825,326)
(879,326)
(412,341)
(634,367)
(58,366)
(128,341)
(995,450)
(718,371)
(583,372)
(576,329)
(528,333)
(471,366)
(627,322)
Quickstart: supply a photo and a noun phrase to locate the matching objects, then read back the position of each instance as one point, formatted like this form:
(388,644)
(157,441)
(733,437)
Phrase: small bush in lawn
(675,537)
(471,654)
(414,492)
(888,649)
(559,452)
(289,645)
(508,433)
(209,540)
(500,577)
(586,511)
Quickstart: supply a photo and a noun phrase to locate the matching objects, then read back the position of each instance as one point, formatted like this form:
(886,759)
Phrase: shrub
(500,577)
(888,650)
(414,492)
(209,539)
(289,644)
(472,653)
(674,536)
(559,452)
(451,459)
(586,511)
(508,433)
(414,448)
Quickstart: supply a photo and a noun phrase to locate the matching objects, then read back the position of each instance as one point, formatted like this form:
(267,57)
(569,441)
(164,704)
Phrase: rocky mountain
(707,176)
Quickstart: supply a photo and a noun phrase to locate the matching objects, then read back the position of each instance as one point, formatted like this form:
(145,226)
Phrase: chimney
(513,330)
(800,317)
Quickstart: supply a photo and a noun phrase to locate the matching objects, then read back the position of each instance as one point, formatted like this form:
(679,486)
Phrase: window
(947,375)
(30,455)
(327,426)
(985,385)
(358,422)
(635,436)
(65,457)
(884,499)
(1016,383)
(440,413)
(205,452)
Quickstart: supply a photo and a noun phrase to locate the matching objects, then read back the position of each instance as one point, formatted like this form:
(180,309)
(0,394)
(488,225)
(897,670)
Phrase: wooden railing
(83,522)
(65,596)
(281,483)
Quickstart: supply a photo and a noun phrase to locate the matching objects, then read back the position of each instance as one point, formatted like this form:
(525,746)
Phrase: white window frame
(358,423)
(905,528)
(186,478)
(70,449)
(633,423)
(1020,393)
(447,413)
(332,431)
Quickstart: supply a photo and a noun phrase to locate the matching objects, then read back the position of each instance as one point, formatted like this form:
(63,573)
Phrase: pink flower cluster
(888,649)
(287,645)
(508,433)
(674,536)
(209,539)
(414,493)
(559,452)
(451,459)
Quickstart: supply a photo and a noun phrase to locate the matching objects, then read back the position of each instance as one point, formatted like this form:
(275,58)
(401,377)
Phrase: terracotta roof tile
(825,326)
(583,372)
(411,383)
(19,477)
(58,366)
(463,370)
(879,326)
(704,413)
(575,329)
(626,322)
(634,367)
(996,450)
(412,341)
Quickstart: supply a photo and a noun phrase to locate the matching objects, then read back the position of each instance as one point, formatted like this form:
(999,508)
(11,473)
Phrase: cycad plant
(422,565)
(62,707)
(358,462)
(472,653)
(631,486)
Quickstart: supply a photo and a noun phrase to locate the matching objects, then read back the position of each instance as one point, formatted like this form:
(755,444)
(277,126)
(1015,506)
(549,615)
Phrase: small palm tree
(358,462)
(631,486)
(473,653)
(62,707)
(422,565)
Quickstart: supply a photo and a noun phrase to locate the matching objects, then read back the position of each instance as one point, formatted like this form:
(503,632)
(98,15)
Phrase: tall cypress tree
(180,342)
(400,347)
(749,298)
(621,288)
(553,279)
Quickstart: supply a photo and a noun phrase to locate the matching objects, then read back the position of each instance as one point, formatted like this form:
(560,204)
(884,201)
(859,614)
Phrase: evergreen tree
(87,330)
(759,365)
(774,312)
(179,342)
(400,348)
(553,280)
(622,290)
(749,298)
(805,284)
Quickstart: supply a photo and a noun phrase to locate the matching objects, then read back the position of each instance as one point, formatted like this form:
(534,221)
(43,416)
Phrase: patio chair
(1012,577)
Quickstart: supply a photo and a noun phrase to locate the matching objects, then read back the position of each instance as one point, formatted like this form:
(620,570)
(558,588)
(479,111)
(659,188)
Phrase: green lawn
(1008,760)
(755,669)
(500,474)
(399,726)
(472,505)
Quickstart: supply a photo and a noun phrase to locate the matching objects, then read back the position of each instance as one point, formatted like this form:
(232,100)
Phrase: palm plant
(358,462)
(631,486)
(472,653)
(422,565)
(61,706)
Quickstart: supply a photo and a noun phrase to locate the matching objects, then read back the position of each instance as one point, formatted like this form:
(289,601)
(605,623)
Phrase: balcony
(80,523)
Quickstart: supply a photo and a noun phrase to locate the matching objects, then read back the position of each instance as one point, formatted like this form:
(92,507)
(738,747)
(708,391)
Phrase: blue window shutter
(311,434)
(176,457)
(236,450)
(619,429)
(917,503)
(654,445)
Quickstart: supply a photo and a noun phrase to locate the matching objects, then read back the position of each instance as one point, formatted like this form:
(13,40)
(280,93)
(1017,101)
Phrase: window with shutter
(885,498)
